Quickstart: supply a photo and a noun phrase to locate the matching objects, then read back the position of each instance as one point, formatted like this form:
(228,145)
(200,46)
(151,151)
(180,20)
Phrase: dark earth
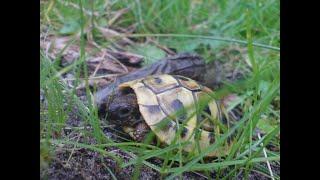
(86,164)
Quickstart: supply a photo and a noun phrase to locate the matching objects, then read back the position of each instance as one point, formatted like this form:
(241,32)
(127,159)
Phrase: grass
(206,27)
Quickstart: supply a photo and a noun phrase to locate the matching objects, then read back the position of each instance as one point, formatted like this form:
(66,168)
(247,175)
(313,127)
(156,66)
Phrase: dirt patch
(86,164)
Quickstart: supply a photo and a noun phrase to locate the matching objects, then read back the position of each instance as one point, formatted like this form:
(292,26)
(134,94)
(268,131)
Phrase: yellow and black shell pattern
(169,102)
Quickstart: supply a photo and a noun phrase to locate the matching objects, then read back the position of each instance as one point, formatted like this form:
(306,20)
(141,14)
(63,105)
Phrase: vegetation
(245,33)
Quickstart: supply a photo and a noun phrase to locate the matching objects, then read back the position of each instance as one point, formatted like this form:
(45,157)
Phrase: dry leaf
(127,58)
(109,34)
(106,66)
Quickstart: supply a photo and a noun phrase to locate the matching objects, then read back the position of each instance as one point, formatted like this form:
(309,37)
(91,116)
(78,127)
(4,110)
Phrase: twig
(199,174)
(109,33)
(108,54)
(96,77)
(82,127)
(167,50)
(129,29)
(265,155)
(120,154)
(43,43)
(116,60)
(118,15)
(72,151)
(128,54)
(131,56)
(87,12)
(98,67)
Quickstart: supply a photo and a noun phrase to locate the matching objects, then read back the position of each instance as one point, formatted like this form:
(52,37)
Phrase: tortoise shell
(170,104)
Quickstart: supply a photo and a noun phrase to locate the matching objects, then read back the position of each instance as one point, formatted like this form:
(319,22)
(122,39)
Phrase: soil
(89,165)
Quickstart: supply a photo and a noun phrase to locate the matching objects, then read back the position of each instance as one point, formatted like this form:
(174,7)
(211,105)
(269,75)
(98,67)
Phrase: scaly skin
(124,110)
(130,121)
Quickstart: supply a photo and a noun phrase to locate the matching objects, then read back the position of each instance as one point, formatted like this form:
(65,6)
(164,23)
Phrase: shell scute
(152,114)
(189,83)
(168,103)
(161,83)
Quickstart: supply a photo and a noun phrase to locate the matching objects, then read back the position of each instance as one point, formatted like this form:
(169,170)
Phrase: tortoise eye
(124,112)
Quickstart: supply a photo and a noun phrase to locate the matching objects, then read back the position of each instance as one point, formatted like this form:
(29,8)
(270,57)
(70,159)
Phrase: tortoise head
(123,109)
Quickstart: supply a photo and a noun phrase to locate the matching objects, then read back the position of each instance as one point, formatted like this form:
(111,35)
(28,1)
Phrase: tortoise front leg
(142,129)
(139,132)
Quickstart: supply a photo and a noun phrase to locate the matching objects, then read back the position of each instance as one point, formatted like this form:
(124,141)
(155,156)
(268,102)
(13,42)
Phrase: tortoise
(171,107)
(184,64)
